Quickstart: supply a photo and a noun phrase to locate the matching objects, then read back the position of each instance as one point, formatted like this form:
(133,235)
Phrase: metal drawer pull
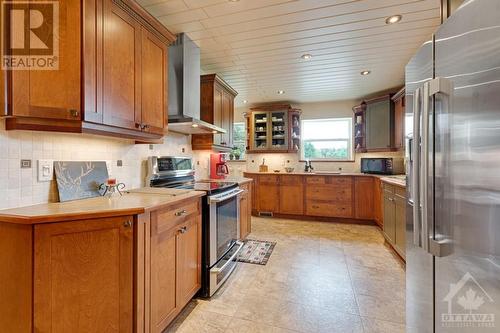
(181,213)
(127,224)
(183,230)
(74,113)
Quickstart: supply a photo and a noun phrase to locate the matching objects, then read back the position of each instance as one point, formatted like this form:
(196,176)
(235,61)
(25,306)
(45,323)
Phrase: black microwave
(382,165)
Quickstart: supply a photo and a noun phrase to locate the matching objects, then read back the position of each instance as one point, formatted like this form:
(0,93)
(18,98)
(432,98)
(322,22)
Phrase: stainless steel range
(221,213)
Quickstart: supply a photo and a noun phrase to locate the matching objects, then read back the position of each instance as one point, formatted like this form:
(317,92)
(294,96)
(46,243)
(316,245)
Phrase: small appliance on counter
(220,216)
(382,165)
(218,166)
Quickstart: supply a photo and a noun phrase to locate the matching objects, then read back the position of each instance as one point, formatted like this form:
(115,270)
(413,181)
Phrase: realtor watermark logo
(30,35)
(470,297)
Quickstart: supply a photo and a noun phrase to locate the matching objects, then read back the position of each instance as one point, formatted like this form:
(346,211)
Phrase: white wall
(20,187)
(318,110)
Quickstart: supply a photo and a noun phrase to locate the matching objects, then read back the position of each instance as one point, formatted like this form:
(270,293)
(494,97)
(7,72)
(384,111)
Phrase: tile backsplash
(280,161)
(20,187)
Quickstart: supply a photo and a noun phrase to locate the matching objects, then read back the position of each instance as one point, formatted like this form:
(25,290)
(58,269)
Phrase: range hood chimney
(184,89)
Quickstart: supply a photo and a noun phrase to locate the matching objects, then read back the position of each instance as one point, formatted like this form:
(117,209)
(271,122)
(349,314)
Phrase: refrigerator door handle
(424,166)
(441,245)
(415,188)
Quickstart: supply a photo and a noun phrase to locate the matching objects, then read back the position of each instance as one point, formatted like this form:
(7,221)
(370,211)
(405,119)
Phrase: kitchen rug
(256,252)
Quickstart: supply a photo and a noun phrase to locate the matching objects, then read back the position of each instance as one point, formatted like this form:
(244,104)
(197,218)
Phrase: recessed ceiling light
(194,125)
(393,19)
(306,56)
(280,92)
(245,101)
(364,73)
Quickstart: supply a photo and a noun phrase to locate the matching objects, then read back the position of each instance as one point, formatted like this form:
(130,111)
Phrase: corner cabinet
(112,77)
(379,124)
(273,129)
(217,108)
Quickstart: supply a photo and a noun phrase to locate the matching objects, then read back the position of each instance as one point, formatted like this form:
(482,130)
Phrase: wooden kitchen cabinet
(379,124)
(399,119)
(268,193)
(246,210)
(83,278)
(395,217)
(364,198)
(217,108)
(291,200)
(175,266)
(119,86)
(377,202)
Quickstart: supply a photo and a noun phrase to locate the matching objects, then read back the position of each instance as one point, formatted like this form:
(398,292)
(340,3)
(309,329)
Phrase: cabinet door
(53,94)
(154,83)
(400,216)
(389,217)
(377,201)
(244,215)
(188,260)
(399,112)
(121,68)
(218,113)
(268,193)
(227,118)
(378,125)
(291,195)
(3,101)
(364,197)
(84,276)
(164,304)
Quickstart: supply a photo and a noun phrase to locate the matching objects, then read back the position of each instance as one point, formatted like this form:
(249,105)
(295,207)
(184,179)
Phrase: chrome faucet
(308,167)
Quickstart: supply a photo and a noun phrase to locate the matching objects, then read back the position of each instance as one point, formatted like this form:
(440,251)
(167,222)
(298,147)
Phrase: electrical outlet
(25,164)
(119,163)
(45,170)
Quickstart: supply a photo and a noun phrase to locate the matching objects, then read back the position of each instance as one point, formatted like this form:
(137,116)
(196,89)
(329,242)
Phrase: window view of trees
(329,139)
(239,141)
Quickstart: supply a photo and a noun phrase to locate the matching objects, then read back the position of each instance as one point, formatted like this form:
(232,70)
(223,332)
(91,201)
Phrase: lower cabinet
(246,210)
(175,266)
(291,198)
(268,193)
(364,203)
(395,217)
(83,276)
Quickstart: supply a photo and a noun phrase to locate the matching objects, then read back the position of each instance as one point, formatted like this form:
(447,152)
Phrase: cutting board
(79,180)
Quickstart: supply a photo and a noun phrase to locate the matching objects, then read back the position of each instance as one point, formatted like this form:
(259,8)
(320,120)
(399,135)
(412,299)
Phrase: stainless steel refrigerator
(453,175)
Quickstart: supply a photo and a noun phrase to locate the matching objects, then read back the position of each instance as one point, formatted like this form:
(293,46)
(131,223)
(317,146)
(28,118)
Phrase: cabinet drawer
(245,186)
(268,179)
(291,180)
(341,181)
(315,180)
(172,216)
(328,209)
(330,193)
(388,188)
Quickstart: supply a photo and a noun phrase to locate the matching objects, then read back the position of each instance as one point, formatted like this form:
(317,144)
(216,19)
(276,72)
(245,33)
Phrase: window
(239,139)
(327,139)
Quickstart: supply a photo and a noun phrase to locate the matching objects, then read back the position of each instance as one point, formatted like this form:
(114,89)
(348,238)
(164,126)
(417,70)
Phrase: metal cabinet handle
(314,206)
(181,213)
(391,199)
(127,224)
(183,230)
(74,113)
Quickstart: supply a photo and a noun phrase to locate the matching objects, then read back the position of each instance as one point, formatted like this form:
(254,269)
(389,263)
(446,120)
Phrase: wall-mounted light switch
(45,170)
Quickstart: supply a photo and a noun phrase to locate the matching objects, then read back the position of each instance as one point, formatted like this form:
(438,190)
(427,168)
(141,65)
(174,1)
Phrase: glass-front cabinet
(273,128)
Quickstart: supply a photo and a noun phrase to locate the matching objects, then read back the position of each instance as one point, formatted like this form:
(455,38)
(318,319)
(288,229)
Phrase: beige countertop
(399,180)
(132,202)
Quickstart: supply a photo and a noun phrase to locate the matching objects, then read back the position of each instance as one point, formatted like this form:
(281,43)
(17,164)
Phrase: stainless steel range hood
(184,89)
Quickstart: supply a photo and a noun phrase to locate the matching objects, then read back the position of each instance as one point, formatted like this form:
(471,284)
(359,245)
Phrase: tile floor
(321,277)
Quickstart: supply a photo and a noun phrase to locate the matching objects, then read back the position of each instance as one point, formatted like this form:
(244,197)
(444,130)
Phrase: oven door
(224,223)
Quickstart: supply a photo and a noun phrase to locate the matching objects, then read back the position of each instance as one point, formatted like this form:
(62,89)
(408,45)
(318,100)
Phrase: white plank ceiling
(256,45)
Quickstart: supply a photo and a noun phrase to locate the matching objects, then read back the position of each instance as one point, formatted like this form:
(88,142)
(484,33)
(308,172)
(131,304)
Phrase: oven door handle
(220,269)
(223,198)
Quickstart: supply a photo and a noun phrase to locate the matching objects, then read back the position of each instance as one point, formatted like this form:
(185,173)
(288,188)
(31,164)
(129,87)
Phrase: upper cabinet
(379,124)
(217,108)
(273,129)
(112,76)
(399,119)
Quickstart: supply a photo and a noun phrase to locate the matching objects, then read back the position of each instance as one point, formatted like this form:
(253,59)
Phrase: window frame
(244,156)
(350,140)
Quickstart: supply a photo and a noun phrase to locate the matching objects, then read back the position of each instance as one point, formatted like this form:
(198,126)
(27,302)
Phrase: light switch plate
(45,170)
